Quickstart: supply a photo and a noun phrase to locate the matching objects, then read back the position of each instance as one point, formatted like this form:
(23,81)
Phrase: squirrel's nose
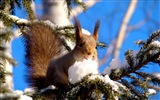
(89,53)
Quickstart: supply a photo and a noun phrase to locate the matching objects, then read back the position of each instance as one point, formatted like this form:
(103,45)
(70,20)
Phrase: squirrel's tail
(42,44)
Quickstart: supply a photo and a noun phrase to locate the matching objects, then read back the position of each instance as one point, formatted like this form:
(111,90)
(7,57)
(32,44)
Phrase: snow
(115,64)
(85,32)
(121,85)
(29,90)
(22,21)
(25,97)
(80,69)
(15,18)
(92,77)
(107,80)
(156,43)
(80,0)
(151,91)
(21,96)
(156,74)
(18,92)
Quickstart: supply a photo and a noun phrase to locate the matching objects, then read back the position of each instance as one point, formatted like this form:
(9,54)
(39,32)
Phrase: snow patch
(19,92)
(85,32)
(107,80)
(93,77)
(22,21)
(115,64)
(24,97)
(29,90)
(80,69)
(21,95)
(151,91)
(156,74)
(156,43)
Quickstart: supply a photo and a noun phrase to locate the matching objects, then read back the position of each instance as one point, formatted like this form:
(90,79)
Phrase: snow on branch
(147,53)
(98,86)
(77,10)
(13,18)
(133,90)
(149,77)
(20,21)
(16,95)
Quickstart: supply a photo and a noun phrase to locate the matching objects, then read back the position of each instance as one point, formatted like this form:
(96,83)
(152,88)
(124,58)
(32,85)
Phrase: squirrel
(43,44)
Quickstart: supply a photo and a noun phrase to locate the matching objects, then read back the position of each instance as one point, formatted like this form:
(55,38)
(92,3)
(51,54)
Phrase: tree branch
(78,10)
(123,27)
(137,67)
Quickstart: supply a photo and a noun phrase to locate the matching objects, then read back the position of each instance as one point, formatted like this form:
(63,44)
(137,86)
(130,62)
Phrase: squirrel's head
(85,44)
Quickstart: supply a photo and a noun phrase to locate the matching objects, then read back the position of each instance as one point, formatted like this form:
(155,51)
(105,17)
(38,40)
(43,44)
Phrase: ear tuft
(96,28)
(78,30)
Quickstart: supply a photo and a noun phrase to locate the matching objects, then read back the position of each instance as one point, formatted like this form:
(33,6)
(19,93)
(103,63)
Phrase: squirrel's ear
(96,28)
(78,29)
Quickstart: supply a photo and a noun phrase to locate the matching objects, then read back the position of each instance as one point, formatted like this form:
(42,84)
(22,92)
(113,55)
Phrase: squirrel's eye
(81,44)
(96,47)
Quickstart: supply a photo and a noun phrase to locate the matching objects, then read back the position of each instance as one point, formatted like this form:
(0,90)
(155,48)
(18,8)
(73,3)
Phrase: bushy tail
(42,44)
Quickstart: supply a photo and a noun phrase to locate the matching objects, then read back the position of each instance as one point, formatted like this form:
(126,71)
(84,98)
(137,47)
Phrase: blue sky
(110,23)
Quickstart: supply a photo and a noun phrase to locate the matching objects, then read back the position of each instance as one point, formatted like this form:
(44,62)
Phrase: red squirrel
(43,43)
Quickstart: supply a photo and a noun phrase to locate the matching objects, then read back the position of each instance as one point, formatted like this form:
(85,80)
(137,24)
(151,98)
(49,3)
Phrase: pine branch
(130,58)
(5,34)
(13,19)
(155,36)
(75,2)
(9,96)
(143,84)
(2,74)
(148,53)
(79,9)
(125,91)
(9,59)
(9,5)
(126,71)
(153,87)
(88,88)
(30,12)
(149,77)
(23,22)
(133,90)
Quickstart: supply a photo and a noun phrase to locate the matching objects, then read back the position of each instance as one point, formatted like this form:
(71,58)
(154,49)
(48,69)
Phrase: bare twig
(123,27)
(108,53)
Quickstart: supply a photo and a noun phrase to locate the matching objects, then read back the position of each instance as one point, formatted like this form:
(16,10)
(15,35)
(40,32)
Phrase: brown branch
(108,53)
(123,27)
